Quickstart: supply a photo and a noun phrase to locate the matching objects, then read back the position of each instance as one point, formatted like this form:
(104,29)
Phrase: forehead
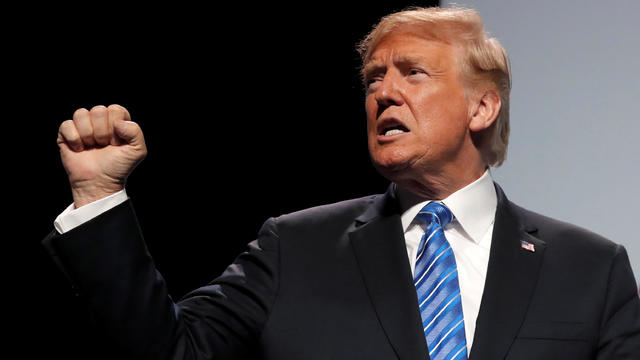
(408,46)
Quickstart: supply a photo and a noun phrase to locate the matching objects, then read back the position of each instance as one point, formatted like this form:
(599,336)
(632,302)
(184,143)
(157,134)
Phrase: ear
(486,110)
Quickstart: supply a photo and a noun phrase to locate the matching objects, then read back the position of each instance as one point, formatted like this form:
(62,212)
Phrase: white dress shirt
(71,217)
(469,234)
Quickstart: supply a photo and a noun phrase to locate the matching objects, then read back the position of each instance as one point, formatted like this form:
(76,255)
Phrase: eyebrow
(373,66)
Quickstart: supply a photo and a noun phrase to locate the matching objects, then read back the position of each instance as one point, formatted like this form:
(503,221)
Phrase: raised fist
(99,149)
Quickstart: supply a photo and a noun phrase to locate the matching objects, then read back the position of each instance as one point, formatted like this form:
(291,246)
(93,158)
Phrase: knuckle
(116,112)
(68,132)
(115,107)
(121,112)
(98,109)
(65,125)
(80,112)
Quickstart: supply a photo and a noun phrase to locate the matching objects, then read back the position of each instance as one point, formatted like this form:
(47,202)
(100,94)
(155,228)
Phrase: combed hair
(484,60)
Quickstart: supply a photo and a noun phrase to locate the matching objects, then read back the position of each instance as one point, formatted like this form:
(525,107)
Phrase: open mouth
(394,131)
(391,127)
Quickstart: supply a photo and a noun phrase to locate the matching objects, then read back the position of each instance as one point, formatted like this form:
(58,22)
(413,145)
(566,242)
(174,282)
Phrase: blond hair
(484,60)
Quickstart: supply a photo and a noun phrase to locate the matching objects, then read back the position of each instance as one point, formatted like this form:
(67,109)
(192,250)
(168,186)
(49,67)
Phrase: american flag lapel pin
(527,246)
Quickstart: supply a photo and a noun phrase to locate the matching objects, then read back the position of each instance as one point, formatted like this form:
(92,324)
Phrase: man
(442,266)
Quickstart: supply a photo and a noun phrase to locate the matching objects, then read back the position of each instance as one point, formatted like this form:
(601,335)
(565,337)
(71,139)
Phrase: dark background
(248,112)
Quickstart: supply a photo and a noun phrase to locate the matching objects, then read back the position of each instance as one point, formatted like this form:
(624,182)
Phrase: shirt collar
(474,206)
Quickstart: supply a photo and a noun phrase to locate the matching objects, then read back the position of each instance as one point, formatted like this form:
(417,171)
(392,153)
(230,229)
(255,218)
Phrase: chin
(392,170)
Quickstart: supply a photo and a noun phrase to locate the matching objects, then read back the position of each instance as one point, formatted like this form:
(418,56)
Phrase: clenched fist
(99,149)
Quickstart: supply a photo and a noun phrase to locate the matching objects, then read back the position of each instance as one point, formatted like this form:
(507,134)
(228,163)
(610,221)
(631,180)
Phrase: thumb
(129,132)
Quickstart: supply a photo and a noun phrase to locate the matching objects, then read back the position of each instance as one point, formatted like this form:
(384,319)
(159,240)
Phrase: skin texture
(99,149)
(414,84)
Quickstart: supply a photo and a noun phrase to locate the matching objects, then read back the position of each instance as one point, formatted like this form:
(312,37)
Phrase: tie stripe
(450,299)
(425,272)
(462,347)
(444,281)
(424,245)
(437,288)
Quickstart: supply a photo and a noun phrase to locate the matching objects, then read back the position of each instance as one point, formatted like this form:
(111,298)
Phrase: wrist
(83,195)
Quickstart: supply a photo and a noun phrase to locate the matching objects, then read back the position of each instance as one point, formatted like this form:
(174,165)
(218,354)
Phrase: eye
(416,75)
(373,82)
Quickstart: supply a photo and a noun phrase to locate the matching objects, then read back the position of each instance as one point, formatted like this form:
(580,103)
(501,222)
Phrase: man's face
(417,113)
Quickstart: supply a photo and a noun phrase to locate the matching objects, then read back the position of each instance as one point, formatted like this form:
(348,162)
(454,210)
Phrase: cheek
(371,108)
(441,113)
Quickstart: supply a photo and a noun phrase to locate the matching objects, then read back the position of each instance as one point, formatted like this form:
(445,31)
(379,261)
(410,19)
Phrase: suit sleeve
(620,327)
(108,264)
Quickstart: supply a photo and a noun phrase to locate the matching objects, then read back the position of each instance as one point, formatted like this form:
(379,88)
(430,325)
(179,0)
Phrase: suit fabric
(334,282)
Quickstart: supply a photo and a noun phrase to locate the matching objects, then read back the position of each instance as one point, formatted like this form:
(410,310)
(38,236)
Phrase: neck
(439,185)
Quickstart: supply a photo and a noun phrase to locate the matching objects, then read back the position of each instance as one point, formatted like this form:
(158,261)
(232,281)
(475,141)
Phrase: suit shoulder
(557,232)
(336,214)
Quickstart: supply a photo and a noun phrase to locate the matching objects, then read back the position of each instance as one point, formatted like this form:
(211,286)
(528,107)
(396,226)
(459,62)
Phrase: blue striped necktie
(436,281)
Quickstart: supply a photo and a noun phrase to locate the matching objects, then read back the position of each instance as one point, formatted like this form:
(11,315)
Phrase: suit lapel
(379,246)
(512,275)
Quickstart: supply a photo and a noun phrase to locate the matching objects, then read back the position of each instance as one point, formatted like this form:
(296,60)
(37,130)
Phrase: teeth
(393,132)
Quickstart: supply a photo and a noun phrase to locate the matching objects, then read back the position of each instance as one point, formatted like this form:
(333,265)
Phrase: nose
(389,92)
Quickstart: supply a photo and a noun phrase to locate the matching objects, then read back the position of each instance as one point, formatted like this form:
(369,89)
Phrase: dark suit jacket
(334,282)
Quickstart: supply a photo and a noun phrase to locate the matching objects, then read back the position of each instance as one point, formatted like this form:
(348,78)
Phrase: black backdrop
(248,112)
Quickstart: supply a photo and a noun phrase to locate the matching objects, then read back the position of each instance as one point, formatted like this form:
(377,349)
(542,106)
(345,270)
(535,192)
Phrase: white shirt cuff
(71,217)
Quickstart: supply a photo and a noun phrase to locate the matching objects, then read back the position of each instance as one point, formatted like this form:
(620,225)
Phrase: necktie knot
(435,212)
